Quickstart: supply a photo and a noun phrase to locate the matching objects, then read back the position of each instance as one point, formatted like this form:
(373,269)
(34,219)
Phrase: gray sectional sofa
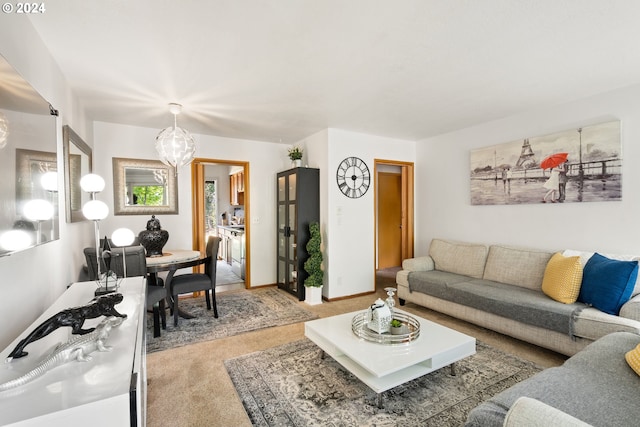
(595,387)
(499,287)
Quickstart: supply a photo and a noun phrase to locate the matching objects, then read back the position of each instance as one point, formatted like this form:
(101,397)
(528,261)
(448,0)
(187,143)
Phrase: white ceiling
(280,70)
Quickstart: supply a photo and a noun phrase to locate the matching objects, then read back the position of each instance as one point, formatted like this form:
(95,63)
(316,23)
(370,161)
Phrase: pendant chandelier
(176,147)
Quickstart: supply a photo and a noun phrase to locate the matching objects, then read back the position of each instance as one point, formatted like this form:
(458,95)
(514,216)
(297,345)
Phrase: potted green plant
(313,266)
(398,328)
(295,154)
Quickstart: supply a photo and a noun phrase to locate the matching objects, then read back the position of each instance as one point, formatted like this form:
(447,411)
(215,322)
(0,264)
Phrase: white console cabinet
(109,390)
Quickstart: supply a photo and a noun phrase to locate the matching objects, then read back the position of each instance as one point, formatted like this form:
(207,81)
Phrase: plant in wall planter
(313,266)
(295,154)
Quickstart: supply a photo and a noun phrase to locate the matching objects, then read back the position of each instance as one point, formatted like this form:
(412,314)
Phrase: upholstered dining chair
(194,282)
(136,262)
(136,265)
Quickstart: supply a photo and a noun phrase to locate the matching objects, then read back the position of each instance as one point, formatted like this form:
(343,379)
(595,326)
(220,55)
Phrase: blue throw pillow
(607,283)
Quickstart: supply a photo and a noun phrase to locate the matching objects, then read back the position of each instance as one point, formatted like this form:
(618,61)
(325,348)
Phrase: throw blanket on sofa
(513,302)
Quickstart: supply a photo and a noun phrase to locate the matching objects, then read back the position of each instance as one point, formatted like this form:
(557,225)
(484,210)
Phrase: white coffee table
(383,366)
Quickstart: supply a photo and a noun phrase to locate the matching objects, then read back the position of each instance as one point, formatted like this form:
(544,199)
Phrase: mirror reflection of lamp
(38,210)
(123,237)
(15,240)
(49,182)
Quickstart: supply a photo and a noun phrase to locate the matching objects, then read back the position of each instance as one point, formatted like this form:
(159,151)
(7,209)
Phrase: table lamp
(123,237)
(96,210)
(38,210)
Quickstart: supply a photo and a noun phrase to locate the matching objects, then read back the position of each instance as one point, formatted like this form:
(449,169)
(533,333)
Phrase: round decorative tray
(360,329)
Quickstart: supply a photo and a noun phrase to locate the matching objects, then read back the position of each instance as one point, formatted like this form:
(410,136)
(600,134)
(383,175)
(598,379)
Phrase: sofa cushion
(602,387)
(467,259)
(562,278)
(422,263)
(584,257)
(633,359)
(434,282)
(527,412)
(516,266)
(607,283)
(514,302)
(592,324)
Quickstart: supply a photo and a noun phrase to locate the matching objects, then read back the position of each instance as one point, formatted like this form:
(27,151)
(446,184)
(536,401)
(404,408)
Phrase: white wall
(33,279)
(350,222)
(265,160)
(220,174)
(443,206)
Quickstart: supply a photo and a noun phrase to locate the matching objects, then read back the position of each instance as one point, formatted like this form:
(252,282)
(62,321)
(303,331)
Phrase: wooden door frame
(197,207)
(407,183)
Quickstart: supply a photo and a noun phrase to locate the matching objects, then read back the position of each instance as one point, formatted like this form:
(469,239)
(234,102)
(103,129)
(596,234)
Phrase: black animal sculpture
(73,317)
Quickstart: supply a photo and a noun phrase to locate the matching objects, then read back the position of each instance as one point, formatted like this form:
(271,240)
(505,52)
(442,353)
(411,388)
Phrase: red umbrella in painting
(553,160)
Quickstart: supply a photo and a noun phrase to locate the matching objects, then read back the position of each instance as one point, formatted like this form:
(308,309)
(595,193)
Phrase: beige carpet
(239,312)
(189,386)
(292,385)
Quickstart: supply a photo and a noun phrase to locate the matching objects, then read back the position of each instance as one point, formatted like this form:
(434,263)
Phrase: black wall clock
(353,177)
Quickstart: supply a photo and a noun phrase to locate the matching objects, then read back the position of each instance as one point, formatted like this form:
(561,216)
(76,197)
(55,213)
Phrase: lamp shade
(15,240)
(49,181)
(123,237)
(92,183)
(95,210)
(38,210)
(176,147)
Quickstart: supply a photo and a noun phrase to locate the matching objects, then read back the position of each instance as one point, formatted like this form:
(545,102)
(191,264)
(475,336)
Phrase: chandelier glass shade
(95,210)
(176,147)
(92,183)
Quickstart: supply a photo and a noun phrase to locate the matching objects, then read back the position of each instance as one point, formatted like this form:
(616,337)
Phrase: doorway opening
(220,207)
(394,217)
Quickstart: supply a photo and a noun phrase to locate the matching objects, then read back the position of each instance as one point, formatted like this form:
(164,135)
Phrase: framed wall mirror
(144,187)
(28,165)
(78,161)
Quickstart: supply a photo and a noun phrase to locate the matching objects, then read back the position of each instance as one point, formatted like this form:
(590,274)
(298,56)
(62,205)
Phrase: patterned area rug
(291,385)
(238,312)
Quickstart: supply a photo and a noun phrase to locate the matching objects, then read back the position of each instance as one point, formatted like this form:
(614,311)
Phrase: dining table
(171,261)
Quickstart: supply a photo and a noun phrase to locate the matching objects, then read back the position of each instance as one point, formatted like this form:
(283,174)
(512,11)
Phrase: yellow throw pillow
(633,359)
(562,278)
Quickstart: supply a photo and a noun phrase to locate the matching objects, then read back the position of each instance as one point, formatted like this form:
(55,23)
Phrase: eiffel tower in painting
(527,158)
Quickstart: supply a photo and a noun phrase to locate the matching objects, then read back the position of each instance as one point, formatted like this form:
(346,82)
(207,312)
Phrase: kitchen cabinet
(236,188)
(298,205)
(225,244)
(109,390)
(232,248)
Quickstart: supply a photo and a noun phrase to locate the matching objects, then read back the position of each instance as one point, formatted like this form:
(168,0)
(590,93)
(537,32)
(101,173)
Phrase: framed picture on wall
(577,165)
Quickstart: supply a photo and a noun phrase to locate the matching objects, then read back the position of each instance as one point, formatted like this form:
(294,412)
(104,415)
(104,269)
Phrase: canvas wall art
(577,165)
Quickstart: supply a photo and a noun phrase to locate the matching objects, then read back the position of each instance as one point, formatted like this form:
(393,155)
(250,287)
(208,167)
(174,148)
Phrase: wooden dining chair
(194,282)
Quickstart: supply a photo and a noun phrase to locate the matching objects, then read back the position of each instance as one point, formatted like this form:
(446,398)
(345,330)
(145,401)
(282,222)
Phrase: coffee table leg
(453,369)
(322,354)
(379,400)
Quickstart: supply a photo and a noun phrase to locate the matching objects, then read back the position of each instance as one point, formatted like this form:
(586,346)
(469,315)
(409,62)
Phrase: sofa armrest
(528,412)
(424,263)
(631,309)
